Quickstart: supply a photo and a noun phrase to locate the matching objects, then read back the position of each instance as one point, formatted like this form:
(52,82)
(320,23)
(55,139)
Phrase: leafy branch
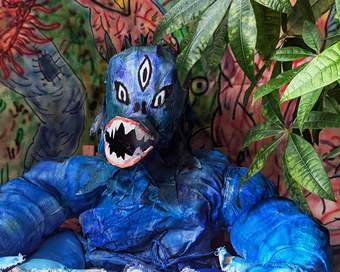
(281,34)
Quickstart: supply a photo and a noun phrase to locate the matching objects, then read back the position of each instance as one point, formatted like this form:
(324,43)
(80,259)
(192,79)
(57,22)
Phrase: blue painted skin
(161,213)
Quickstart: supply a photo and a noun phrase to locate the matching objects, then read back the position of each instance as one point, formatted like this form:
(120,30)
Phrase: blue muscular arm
(269,233)
(34,205)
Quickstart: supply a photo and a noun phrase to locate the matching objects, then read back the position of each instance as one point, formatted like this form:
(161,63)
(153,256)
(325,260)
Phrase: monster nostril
(144,107)
(136,107)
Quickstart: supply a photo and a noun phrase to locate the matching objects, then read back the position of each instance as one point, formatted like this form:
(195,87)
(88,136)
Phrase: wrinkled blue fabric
(132,221)
(161,214)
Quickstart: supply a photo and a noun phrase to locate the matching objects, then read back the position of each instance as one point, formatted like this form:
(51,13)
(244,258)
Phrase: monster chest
(135,213)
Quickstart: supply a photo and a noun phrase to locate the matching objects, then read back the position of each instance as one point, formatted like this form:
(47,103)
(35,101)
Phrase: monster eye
(160,97)
(199,85)
(122,93)
(144,73)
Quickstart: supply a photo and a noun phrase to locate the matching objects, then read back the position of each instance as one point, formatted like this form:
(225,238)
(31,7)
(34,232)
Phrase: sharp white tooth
(127,157)
(117,124)
(113,155)
(128,127)
(139,134)
(111,131)
(137,152)
(120,160)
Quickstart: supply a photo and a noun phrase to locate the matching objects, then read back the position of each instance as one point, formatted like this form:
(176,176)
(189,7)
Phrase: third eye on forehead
(144,73)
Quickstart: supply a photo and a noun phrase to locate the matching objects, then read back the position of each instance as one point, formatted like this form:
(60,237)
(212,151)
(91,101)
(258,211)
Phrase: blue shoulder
(74,180)
(226,177)
(238,199)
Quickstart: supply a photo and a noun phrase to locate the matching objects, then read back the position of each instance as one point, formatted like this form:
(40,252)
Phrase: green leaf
(334,153)
(242,34)
(259,160)
(320,72)
(331,105)
(305,166)
(270,108)
(262,131)
(276,82)
(332,39)
(291,53)
(268,24)
(311,35)
(306,105)
(179,15)
(304,8)
(217,44)
(296,18)
(337,5)
(283,6)
(252,86)
(294,188)
(319,7)
(319,120)
(206,27)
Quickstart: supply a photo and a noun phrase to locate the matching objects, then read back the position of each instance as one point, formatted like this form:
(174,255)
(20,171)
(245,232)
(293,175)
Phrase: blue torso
(160,222)
(165,222)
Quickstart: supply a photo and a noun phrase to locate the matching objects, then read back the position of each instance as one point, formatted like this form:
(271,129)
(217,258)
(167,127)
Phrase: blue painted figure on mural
(149,202)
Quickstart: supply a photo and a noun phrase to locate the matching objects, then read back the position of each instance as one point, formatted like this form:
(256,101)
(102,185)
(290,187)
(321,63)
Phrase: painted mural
(53,56)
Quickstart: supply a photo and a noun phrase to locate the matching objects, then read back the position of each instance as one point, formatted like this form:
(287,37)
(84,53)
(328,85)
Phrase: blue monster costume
(149,201)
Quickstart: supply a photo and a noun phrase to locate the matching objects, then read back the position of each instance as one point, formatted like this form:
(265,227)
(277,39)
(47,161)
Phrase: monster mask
(143,104)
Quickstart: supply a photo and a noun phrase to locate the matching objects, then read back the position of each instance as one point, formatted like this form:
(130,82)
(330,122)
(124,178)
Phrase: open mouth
(126,142)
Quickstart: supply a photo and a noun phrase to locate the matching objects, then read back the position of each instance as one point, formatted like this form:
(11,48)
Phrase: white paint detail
(139,134)
(138,154)
(128,127)
(144,72)
(159,99)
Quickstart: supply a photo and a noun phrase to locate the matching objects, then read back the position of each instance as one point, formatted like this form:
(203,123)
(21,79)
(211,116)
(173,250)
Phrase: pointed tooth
(139,134)
(117,124)
(128,127)
(114,156)
(127,157)
(112,132)
(137,152)
(120,160)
